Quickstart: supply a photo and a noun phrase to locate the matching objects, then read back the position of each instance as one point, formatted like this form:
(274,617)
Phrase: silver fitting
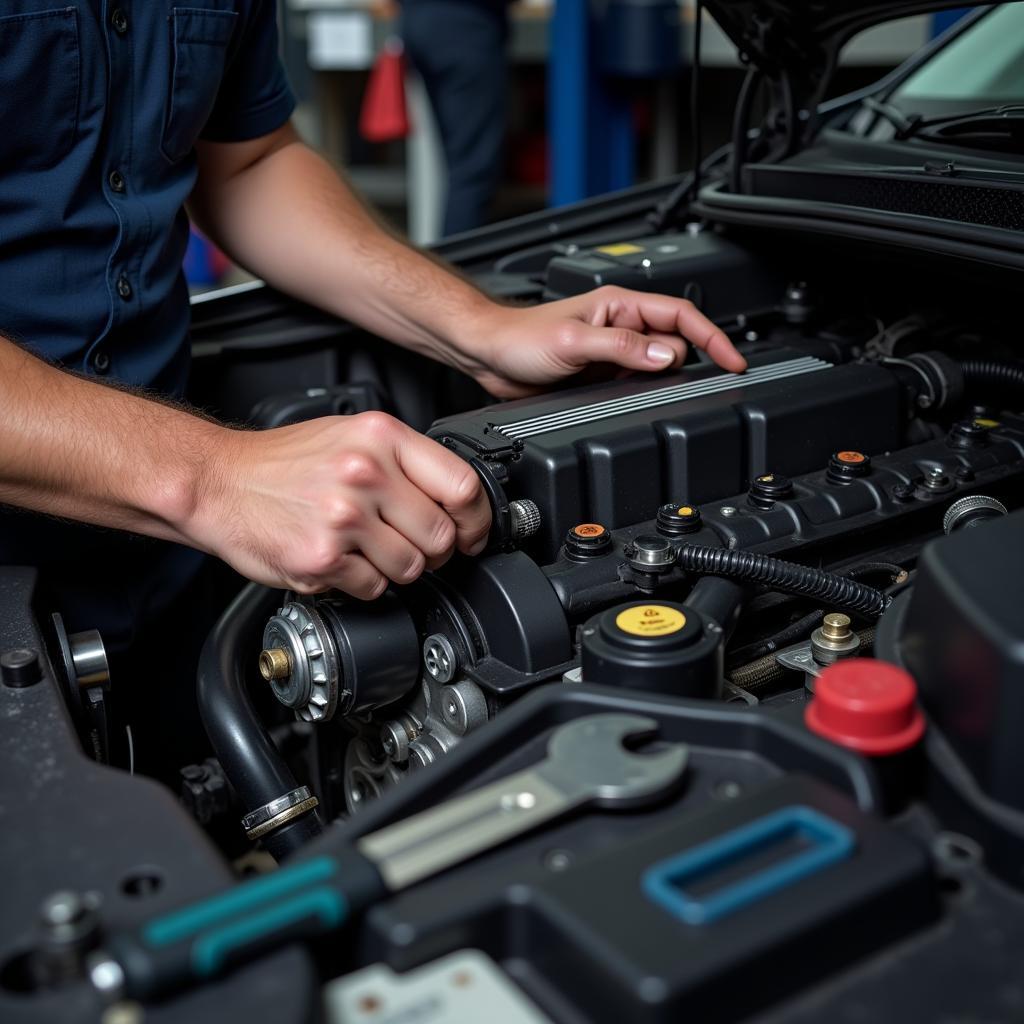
(275,813)
(524,518)
(834,639)
(463,706)
(300,663)
(395,738)
(935,479)
(439,658)
(424,750)
(89,657)
(969,511)
(106,976)
(651,554)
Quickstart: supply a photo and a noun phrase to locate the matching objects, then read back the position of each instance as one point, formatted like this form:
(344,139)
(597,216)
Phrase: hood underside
(802,38)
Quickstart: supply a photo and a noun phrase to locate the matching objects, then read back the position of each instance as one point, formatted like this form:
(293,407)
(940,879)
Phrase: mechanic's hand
(344,501)
(523,349)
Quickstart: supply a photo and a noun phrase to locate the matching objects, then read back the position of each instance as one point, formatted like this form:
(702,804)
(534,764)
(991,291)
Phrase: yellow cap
(650,620)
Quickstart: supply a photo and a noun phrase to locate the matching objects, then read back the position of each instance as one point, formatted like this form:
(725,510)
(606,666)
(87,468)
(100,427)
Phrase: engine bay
(804,579)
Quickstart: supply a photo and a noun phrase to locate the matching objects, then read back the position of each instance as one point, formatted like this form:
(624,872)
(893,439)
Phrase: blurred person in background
(459,48)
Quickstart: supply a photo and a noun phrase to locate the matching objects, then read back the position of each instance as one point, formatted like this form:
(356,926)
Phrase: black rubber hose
(800,629)
(251,762)
(993,374)
(829,588)
(741,120)
(720,600)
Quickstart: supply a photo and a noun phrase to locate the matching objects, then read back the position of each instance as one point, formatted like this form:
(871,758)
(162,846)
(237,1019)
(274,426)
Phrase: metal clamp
(278,812)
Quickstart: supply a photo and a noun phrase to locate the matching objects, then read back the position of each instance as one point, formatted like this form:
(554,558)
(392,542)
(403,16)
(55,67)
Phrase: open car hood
(801,39)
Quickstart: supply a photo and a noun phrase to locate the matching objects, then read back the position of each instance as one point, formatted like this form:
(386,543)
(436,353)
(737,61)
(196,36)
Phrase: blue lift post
(591,139)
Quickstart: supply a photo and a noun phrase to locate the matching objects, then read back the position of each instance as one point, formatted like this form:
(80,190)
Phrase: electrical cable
(829,588)
(803,626)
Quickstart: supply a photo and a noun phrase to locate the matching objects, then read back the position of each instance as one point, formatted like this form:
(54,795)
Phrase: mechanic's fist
(523,349)
(344,501)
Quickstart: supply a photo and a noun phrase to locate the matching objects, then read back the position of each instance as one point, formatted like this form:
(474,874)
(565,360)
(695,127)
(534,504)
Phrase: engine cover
(963,639)
(612,453)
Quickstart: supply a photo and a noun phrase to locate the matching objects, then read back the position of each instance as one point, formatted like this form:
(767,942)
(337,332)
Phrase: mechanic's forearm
(289,218)
(78,449)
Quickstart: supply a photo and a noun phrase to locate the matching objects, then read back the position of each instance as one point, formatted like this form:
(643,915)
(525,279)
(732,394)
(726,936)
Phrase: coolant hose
(720,600)
(788,577)
(994,374)
(251,762)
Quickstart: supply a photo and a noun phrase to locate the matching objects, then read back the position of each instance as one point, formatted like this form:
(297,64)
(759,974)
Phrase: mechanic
(113,115)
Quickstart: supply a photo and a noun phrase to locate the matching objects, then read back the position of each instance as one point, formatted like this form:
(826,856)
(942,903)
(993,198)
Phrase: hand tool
(586,764)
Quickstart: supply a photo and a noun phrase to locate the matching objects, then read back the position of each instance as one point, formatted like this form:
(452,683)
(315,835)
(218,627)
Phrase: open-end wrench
(586,763)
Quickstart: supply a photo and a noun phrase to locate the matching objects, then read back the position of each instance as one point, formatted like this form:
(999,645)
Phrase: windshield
(984,67)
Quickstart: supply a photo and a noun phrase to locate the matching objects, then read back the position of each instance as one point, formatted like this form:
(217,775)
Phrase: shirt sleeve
(254,97)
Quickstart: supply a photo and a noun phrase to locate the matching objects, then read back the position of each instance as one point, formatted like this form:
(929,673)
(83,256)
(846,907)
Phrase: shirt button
(119,20)
(116,181)
(124,287)
(100,361)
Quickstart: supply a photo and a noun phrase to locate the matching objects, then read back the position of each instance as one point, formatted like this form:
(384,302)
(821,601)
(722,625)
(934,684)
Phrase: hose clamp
(275,813)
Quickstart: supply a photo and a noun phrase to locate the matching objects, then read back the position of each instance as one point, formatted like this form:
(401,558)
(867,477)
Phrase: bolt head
(62,908)
(275,663)
(836,626)
(439,658)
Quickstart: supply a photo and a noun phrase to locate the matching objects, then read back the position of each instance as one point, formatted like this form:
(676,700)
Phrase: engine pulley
(331,655)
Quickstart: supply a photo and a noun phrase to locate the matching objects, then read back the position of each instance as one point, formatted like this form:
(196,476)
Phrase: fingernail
(658,353)
(478,547)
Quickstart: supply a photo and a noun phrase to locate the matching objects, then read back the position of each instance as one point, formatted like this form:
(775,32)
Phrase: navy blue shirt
(101,104)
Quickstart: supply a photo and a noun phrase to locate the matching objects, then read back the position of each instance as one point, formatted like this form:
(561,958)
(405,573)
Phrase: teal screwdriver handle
(203,940)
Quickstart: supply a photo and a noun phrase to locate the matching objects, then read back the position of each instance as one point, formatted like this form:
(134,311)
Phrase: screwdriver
(586,763)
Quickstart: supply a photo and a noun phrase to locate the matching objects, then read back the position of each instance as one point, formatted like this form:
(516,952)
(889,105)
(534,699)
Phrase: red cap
(866,705)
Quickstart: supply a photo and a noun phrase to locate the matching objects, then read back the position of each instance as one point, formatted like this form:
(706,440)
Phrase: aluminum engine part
(409,735)
(334,655)
(310,686)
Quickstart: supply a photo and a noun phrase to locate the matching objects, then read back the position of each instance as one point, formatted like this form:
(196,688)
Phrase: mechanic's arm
(342,501)
(281,211)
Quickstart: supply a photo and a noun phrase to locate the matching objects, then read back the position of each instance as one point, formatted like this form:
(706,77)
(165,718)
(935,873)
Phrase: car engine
(698,488)
(804,579)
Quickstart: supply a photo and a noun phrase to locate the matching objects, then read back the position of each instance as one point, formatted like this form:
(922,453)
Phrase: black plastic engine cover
(963,639)
(722,277)
(612,453)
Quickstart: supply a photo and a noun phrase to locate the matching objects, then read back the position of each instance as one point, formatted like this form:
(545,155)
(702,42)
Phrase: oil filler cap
(661,647)
(847,465)
(587,540)
(866,705)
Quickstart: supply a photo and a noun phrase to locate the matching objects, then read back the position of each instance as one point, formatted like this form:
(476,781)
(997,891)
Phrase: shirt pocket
(39,86)
(199,41)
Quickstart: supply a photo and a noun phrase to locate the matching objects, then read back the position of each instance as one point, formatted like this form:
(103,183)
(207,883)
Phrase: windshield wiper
(986,126)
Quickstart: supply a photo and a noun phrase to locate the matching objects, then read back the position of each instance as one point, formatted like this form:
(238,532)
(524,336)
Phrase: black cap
(20,667)
(768,488)
(972,433)
(677,518)
(657,646)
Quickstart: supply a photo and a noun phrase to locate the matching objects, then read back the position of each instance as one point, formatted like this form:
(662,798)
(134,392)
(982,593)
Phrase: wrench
(586,763)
